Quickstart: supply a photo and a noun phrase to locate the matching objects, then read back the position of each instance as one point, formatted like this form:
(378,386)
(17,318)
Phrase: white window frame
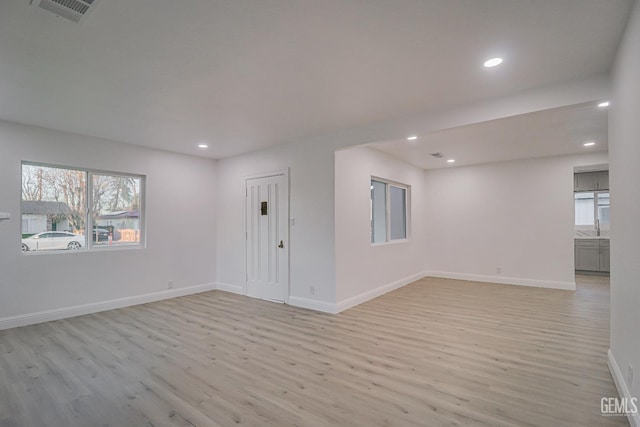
(89,223)
(407,211)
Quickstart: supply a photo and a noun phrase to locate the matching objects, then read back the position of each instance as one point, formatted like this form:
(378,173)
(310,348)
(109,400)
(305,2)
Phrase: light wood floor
(436,352)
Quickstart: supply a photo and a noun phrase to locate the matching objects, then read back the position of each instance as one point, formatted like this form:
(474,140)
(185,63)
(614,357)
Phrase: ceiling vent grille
(73,10)
(437,155)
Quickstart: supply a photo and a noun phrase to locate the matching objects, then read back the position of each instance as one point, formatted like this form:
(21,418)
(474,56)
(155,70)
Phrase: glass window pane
(584,208)
(398,212)
(378,212)
(603,208)
(116,210)
(53,199)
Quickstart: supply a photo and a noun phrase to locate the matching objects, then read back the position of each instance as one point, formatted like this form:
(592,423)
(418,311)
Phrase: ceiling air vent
(73,10)
(437,155)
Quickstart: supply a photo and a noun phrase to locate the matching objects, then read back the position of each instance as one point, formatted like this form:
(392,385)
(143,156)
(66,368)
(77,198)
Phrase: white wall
(181,225)
(624,173)
(179,181)
(311,175)
(364,270)
(514,216)
(343,267)
(311,164)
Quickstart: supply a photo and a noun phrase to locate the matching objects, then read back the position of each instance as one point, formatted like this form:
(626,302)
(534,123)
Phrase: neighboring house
(120,220)
(125,225)
(38,216)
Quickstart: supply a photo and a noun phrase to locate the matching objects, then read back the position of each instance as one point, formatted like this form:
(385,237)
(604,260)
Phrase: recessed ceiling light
(412,138)
(492,62)
(203,146)
(451,161)
(589,144)
(603,104)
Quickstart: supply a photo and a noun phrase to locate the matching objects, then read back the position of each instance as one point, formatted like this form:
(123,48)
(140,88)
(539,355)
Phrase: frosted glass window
(592,213)
(603,208)
(388,210)
(584,207)
(378,212)
(398,212)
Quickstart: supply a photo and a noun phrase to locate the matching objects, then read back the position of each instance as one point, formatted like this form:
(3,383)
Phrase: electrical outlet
(312,290)
(630,375)
(170,285)
(498,270)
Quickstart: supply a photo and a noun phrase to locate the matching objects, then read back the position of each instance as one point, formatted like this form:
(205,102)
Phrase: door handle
(281,245)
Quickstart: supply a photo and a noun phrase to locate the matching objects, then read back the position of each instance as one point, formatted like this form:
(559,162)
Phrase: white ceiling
(248,74)
(553,132)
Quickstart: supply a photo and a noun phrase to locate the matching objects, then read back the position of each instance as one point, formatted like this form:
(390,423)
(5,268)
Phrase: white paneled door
(267,234)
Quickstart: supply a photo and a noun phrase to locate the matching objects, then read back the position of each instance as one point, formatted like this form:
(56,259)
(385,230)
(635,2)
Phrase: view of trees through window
(56,207)
(116,209)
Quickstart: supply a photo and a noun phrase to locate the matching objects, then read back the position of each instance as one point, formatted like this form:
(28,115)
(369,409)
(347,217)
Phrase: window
(591,213)
(378,212)
(66,209)
(388,211)
(603,208)
(116,210)
(53,199)
(398,211)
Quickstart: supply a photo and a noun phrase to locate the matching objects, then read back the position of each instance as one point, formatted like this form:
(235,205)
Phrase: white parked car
(52,240)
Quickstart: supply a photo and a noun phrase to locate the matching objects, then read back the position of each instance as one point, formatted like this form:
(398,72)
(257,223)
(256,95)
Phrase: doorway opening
(591,225)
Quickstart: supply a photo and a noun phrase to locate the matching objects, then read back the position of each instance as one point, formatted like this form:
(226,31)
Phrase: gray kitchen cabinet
(587,181)
(592,255)
(604,255)
(603,180)
(587,255)
(604,260)
(591,181)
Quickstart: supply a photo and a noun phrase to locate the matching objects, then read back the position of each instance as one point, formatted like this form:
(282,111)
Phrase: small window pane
(584,208)
(603,208)
(116,210)
(53,199)
(378,212)
(398,212)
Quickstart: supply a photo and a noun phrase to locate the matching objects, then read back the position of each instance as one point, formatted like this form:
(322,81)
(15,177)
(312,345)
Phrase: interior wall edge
(228,287)
(621,385)
(313,304)
(79,310)
(374,293)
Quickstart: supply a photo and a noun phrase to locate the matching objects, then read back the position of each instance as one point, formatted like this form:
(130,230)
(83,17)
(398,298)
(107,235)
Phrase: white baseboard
(381,290)
(79,310)
(301,302)
(571,285)
(228,287)
(374,293)
(312,304)
(621,385)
